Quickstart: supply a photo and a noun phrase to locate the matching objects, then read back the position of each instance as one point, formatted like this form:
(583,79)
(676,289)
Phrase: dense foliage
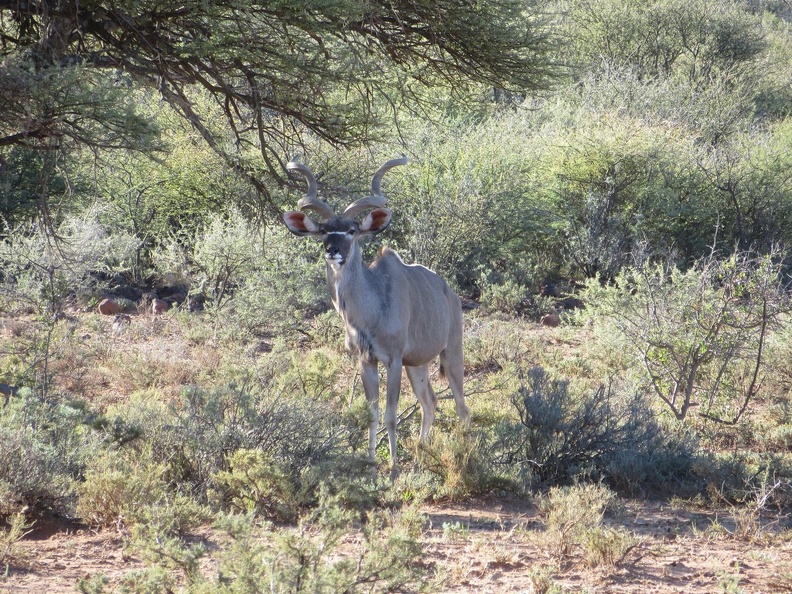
(248,77)
(630,157)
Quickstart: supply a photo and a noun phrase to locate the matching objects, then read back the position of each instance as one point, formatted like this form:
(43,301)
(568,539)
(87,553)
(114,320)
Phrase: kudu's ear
(300,223)
(377,220)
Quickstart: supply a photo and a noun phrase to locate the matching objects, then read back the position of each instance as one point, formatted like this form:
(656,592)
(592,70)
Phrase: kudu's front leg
(392,412)
(370,378)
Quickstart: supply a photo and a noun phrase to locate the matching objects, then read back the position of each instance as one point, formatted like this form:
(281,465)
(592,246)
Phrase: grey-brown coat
(400,315)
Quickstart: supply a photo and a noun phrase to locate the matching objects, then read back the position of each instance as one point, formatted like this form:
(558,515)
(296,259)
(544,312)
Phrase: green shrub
(294,440)
(41,271)
(698,335)
(327,330)
(605,546)
(311,558)
(693,40)
(16,529)
(571,513)
(562,435)
(168,558)
(312,374)
(459,460)
(223,252)
(253,484)
(33,474)
(746,478)
(542,580)
(262,279)
(471,204)
(492,345)
(664,465)
(508,297)
(44,447)
(92,585)
(126,488)
(288,286)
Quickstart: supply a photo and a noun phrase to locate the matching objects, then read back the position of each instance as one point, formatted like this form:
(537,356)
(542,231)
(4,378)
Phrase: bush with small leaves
(542,580)
(17,528)
(663,39)
(115,488)
(43,448)
(311,557)
(471,209)
(562,435)
(571,513)
(508,297)
(42,271)
(755,479)
(254,484)
(94,584)
(459,461)
(699,335)
(267,281)
(169,558)
(665,464)
(125,488)
(288,287)
(223,252)
(295,440)
(606,546)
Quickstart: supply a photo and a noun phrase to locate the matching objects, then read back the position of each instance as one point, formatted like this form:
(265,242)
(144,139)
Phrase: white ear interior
(377,220)
(300,223)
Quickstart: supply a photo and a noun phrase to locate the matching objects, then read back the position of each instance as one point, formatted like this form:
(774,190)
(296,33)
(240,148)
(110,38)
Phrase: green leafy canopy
(249,74)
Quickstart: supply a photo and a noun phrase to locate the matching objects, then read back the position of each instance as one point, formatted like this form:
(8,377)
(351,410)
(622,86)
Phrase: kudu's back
(428,311)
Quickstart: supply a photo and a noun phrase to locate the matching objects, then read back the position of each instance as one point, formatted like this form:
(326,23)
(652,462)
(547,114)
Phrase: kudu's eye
(351,232)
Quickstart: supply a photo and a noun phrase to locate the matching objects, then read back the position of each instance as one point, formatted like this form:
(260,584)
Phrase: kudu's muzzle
(337,246)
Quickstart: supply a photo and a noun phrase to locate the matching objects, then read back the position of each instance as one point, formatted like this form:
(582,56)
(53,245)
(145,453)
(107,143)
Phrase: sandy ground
(487,547)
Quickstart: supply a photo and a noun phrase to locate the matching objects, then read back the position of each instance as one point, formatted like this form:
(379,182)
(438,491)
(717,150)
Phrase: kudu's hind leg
(419,380)
(453,366)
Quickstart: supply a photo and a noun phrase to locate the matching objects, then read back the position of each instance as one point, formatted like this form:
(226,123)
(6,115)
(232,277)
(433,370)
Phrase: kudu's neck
(349,281)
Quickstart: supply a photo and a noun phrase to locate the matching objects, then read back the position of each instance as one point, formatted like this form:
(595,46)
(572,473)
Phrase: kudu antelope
(397,314)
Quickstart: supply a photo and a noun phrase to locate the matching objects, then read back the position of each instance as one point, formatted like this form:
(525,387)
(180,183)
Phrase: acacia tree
(249,74)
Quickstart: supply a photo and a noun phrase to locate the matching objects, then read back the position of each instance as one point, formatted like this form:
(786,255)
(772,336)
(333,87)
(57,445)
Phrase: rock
(570,303)
(551,320)
(108,307)
(159,306)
